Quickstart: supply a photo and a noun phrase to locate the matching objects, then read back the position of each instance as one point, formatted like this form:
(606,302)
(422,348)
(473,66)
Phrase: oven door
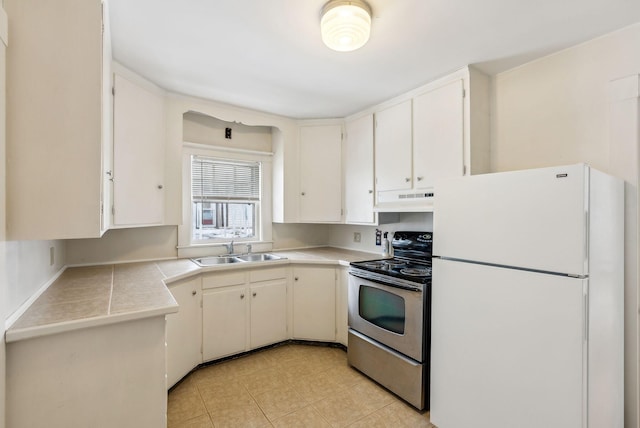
(389,315)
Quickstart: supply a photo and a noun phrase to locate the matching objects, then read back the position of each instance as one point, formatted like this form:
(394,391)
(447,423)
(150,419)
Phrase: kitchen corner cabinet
(138,154)
(358,171)
(243,310)
(184,330)
(314,303)
(320,174)
(58,118)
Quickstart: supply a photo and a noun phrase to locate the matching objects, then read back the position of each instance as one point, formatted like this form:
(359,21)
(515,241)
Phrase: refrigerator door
(535,219)
(507,348)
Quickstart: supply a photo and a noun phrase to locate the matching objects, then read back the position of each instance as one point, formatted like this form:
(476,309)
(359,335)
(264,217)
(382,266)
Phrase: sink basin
(216,260)
(259,257)
(221,260)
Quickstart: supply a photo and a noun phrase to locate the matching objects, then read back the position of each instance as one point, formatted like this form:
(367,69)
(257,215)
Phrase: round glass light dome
(345,25)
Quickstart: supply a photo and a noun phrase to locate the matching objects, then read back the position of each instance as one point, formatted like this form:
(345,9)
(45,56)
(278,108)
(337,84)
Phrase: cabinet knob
(194,292)
(242,296)
(407,179)
(254,294)
(160,186)
(303,193)
(295,279)
(420,178)
(370,191)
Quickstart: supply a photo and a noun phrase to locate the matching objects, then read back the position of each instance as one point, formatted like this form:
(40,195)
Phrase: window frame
(187,246)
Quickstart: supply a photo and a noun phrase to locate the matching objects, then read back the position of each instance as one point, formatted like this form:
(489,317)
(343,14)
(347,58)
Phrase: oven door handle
(386,283)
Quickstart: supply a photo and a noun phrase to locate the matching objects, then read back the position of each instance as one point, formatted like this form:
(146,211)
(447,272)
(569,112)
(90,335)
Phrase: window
(225,199)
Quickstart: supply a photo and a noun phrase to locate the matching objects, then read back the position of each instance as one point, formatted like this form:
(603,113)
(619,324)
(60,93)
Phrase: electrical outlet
(356,237)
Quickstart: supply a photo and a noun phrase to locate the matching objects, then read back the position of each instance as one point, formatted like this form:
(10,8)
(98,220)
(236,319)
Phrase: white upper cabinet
(358,171)
(58,116)
(138,154)
(393,148)
(440,131)
(438,135)
(320,174)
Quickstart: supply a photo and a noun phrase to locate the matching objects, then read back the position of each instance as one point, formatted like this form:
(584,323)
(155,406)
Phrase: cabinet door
(314,303)
(57,129)
(184,331)
(438,134)
(320,173)
(224,322)
(358,171)
(138,155)
(393,148)
(268,313)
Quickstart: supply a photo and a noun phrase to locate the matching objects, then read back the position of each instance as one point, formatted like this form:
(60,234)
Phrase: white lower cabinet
(342,306)
(314,303)
(184,330)
(243,310)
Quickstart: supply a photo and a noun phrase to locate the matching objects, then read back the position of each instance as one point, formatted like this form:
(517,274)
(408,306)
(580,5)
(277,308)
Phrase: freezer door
(534,219)
(507,348)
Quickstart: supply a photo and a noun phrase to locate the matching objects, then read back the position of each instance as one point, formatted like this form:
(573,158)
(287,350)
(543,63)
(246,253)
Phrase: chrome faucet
(229,247)
(248,248)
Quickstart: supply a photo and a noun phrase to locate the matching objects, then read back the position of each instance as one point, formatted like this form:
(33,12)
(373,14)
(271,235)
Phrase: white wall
(342,235)
(3,209)
(557,110)
(124,245)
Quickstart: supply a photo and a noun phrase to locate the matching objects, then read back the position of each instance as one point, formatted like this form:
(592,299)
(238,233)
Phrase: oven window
(384,309)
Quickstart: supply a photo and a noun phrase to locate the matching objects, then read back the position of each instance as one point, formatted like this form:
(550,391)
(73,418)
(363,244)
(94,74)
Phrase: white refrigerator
(527,304)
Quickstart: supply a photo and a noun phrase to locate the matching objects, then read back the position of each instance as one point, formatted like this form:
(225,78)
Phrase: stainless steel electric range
(389,317)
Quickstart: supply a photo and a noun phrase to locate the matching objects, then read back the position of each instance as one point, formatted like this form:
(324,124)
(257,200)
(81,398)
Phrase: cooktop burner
(416,271)
(412,261)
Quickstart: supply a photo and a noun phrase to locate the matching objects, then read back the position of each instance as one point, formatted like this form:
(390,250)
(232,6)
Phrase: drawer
(267,274)
(215,280)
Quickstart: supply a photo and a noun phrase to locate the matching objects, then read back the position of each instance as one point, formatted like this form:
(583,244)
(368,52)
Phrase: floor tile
(287,386)
(198,422)
(307,417)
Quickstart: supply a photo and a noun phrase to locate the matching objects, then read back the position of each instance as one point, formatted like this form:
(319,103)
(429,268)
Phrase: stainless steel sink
(221,260)
(216,260)
(259,257)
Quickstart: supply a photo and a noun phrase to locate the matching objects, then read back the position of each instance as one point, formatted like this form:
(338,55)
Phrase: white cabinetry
(358,171)
(184,330)
(138,154)
(342,306)
(242,311)
(393,148)
(320,173)
(438,135)
(59,118)
(314,303)
(440,130)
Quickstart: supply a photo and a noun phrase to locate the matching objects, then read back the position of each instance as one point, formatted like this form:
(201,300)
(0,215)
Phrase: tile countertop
(83,297)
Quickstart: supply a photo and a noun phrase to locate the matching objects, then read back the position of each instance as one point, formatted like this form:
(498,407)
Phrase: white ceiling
(268,55)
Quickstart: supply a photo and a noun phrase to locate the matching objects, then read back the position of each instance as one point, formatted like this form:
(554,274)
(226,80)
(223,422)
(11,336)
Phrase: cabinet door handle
(420,178)
(194,292)
(254,294)
(370,191)
(160,186)
(303,193)
(407,180)
(295,279)
(242,296)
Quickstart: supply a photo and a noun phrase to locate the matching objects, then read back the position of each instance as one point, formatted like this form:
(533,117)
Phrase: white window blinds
(222,180)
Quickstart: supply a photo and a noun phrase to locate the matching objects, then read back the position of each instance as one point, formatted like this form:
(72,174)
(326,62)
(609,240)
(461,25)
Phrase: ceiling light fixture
(345,25)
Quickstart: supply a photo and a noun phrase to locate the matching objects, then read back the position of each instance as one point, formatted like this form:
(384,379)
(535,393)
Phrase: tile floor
(287,386)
